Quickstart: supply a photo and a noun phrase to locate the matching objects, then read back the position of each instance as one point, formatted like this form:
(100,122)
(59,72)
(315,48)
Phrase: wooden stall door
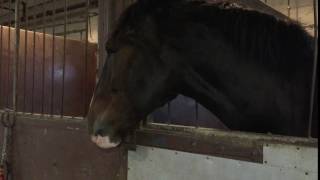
(53,78)
(48,149)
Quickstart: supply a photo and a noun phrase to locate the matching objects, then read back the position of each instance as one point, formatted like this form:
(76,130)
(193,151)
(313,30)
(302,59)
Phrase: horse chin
(104,142)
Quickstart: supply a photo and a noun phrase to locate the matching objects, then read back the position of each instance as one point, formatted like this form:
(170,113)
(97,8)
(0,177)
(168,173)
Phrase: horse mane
(272,42)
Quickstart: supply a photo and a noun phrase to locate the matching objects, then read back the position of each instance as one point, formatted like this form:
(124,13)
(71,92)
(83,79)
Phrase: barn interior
(51,56)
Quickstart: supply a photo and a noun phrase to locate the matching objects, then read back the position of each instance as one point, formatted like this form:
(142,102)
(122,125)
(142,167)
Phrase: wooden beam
(228,144)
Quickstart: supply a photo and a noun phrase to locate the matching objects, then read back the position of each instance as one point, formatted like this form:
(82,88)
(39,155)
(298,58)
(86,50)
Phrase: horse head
(133,83)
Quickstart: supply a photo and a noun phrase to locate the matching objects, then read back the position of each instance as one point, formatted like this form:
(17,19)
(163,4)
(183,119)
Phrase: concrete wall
(281,162)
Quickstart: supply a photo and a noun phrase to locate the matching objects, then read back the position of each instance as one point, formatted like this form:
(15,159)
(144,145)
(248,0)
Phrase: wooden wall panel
(61,150)
(41,71)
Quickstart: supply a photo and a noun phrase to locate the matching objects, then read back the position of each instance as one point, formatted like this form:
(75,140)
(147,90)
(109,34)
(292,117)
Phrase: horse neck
(203,91)
(256,119)
(224,81)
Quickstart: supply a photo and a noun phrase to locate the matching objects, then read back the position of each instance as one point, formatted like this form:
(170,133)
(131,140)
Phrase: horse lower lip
(104,142)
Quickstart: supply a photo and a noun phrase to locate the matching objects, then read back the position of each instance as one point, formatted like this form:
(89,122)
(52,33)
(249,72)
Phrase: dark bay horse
(250,69)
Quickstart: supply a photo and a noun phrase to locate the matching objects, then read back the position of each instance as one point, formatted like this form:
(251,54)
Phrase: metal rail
(64,55)
(314,73)
(86,59)
(16,56)
(43,58)
(25,57)
(53,59)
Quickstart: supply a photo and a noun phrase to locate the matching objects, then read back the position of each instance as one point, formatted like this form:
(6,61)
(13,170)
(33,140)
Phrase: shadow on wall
(186,111)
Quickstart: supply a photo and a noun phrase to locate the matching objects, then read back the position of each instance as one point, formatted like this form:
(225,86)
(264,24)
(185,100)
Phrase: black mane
(255,35)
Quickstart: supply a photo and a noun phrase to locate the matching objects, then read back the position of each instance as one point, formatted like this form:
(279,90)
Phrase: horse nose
(99,132)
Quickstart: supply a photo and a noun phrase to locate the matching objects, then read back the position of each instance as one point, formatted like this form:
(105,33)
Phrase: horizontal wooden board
(60,149)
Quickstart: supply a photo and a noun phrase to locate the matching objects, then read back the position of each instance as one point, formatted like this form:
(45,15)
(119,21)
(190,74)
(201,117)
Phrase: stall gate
(178,152)
(47,77)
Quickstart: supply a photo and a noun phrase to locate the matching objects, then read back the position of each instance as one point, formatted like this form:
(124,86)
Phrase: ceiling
(41,12)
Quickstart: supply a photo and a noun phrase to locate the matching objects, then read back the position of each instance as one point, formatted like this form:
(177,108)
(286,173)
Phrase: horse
(250,69)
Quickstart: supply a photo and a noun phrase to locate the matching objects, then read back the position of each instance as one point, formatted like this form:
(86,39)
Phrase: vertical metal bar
(85,95)
(314,73)
(25,57)
(64,55)
(43,55)
(1,60)
(297,10)
(16,56)
(53,54)
(289,8)
(9,57)
(33,66)
(103,31)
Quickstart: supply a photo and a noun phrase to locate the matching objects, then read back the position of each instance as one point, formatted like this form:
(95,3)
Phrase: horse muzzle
(104,142)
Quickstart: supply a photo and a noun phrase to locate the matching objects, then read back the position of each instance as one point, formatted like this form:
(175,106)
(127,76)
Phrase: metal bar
(314,73)
(103,30)
(16,57)
(33,69)
(86,61)
(289,8)
(61,24)
(1,60)
(297,10)
(94,3)
(25,60)
(70,32)
(43,59)
(64,56)
(9,59)
(37,20)
(53,60)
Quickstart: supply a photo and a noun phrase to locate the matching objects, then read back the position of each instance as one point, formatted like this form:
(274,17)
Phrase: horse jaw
(104,142)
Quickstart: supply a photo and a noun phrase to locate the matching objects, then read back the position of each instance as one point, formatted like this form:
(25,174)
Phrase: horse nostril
(99,132)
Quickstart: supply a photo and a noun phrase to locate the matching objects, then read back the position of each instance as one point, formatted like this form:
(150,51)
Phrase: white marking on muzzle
(104,142)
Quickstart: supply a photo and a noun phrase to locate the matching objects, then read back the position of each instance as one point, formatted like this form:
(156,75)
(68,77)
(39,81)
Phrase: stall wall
(60,149)
(281,162)
(54,75)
